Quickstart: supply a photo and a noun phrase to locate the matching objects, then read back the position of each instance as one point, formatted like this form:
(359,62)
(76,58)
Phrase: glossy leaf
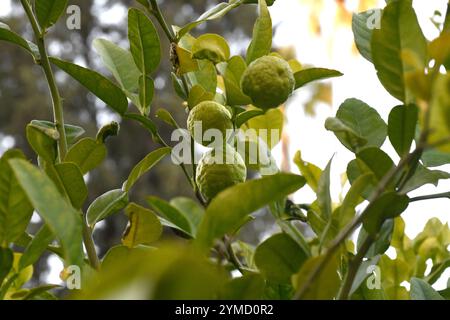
(106,205)
(305,76)
(268,126)
(143,228)
(249,287)
(360,123)
(171,214)
(43,141)
(48,202)
(146,92)
(72,132)
(399,33)
(420,290)
(144,41)
(15,209)
(145,165)
(363,25)
(211,47)
(36,247)
(69,180)
(100,86)
(232,75)
(87,154)
(308,170)
(206,76)
(402,127)
(261,43)
(6,262)
(279,257)
(191,209)
(219,220)
(7,35)
(389,205)
(423,176)
(49,11)
(120,63)
(214,13)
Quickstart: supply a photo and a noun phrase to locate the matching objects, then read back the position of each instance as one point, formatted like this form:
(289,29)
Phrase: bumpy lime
(268,81)
(211,115)
(218,170)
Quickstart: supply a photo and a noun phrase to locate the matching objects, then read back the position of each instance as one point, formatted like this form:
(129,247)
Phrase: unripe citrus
(268,81)
(219,169)
(211,115)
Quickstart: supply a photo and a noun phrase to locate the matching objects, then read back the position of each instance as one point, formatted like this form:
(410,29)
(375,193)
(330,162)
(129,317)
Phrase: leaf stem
(431,196)
(45,64)
(156,12)
(89,245)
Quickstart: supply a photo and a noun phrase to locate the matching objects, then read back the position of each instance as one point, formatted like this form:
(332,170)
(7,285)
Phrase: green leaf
(6,262)
(177,84)
(420,290)
(306,76)
(165,116)
(69,180)
(245,116)
(440,112)
(144,41)
(279,257)
(346,211)
(192,210)
(106,205)
(219,219)
(7,35)
(198,94)
(172,214)
(261,43)
(363,25)
(248,287)
(389,205)
(120,63)
(99,85)
(326,285)
(144,227)
(423,176)
(36,247)
(48,202)
(43,141)
(214,13)
(206,76)
(146,123)
(268,126)
(211,47)
(232,75)
(308,170)
(323,192)
(358,123)
(49,11)
(382,242)
(402,127)
(107,130)
(15,209)
(435,158)
(72,132)
(87,154)
(399,33)
(145,165)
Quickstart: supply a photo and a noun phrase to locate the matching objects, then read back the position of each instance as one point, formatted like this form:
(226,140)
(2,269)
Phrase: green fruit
(268,2)
(268,81)
(212,116)
(254,153)
(219,169)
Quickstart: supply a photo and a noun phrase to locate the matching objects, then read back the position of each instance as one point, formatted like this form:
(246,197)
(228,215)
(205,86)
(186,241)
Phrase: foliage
(326,265)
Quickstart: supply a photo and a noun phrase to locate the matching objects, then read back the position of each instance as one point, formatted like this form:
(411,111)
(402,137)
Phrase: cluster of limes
(269,82)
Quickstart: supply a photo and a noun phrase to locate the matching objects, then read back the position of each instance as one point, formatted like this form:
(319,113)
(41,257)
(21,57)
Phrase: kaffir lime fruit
(219,169)
(211,115)
(268,81)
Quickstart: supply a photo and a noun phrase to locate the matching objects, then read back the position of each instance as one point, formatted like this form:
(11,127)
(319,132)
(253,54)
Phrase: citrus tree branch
(45,64)
(431,196)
